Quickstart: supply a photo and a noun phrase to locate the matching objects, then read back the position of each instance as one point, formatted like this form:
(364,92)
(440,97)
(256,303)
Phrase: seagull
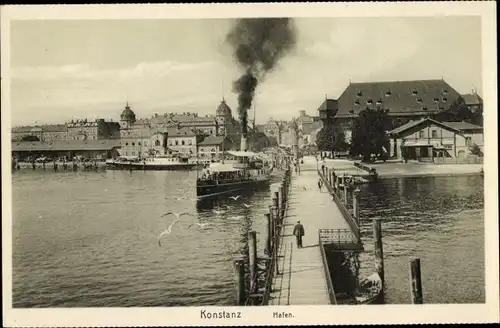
(219,212)
(178,215)
(201,225)
(246,205)
(167,231)
(188,183)
(235,197)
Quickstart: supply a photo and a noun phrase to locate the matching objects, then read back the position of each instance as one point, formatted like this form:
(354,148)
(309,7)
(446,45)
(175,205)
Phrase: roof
(65,145)
(220,167)
(399,97)
(241,153)
(127,114)
(463,126)
(223,108)
(472,99)
(329,105)
(454,126)
(40,128)
(54,128)
(182,132)
(211,140)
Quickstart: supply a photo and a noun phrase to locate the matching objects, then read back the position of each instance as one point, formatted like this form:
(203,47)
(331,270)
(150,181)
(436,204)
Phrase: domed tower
(223,116)
(127,118)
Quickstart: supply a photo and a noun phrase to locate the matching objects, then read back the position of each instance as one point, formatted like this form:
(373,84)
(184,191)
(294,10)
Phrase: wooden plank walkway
(302,281)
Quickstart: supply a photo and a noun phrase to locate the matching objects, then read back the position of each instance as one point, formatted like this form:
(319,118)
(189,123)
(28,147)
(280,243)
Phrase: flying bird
(202,225)
(167,231)
(219,212)
(235,197)
(178,215)
(246,205)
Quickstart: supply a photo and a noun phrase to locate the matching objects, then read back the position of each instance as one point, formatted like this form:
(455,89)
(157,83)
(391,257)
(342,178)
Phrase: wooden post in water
(416,282)
(269,233)
(345,192)
(355,205)
(378,248)
(280,203)
(276,206)
(239,282)
(252,257)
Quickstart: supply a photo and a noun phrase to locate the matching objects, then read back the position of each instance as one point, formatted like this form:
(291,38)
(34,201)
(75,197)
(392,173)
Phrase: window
(177,142)
(211,131)
(190,142)
(133,143)
(126,144)
(157,143)
(139,143)
(468,141)
(133,153)
(183,142)
(434,133)
(170,142)
(421,134)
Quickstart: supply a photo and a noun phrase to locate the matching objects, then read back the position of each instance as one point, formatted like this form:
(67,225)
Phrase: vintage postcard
(249,164)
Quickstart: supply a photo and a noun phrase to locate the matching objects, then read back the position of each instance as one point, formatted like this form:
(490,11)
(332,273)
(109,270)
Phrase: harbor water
(89,239)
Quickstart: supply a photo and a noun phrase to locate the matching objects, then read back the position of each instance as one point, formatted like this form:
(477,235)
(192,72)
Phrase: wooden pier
(302,277)
(309,275)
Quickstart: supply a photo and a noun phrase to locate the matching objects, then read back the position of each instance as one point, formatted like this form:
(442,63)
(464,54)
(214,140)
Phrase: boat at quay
(238,171)
(157,163)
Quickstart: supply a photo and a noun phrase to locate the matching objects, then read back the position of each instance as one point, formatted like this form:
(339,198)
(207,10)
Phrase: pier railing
(343,209)
(328,277)
(340,239)
(366,168)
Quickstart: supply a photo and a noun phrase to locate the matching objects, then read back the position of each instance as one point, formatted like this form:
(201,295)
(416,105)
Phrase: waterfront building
(46,133)
(403,100)
(97,129)
(473,101)
(212,147)
(107,148)
(426,139)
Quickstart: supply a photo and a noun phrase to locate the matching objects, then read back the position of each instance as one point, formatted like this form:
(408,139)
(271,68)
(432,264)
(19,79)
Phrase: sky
(73,69)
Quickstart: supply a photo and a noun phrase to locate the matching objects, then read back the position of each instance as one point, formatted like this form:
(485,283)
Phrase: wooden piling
(345,191)
(239,282)
(269,233)
(252,258)
(378,248)
(280,203)
(276,206)
(355,205)
(415,282)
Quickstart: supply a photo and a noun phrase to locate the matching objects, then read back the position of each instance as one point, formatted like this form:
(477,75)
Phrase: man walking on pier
(298,232)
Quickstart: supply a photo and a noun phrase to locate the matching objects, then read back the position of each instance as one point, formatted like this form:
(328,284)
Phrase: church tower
(127,118)
(224,117)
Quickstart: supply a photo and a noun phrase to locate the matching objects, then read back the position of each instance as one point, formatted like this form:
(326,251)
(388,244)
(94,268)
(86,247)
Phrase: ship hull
(213,190)
(150,167)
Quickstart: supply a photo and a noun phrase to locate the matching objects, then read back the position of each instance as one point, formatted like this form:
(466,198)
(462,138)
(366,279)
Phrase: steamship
(238,171)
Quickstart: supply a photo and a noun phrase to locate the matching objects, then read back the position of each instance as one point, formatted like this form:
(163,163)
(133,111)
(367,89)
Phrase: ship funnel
(243,144)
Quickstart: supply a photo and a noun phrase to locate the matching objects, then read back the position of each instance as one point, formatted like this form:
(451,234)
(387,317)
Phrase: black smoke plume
(258,43)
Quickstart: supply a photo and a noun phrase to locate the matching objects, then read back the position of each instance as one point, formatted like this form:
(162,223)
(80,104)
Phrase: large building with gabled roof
(403,100)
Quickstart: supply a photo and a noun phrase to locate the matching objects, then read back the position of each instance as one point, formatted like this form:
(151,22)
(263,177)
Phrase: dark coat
(298,230)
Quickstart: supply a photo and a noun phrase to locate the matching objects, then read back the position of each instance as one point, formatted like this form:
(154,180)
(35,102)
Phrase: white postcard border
(302,315)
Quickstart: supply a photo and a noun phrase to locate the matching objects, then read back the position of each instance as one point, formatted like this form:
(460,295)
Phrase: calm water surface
(89,239)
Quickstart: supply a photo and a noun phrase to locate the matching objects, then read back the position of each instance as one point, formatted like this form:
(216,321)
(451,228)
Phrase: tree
(325,139)
(476,150)
(369,136)
(459,111)
(331,138)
